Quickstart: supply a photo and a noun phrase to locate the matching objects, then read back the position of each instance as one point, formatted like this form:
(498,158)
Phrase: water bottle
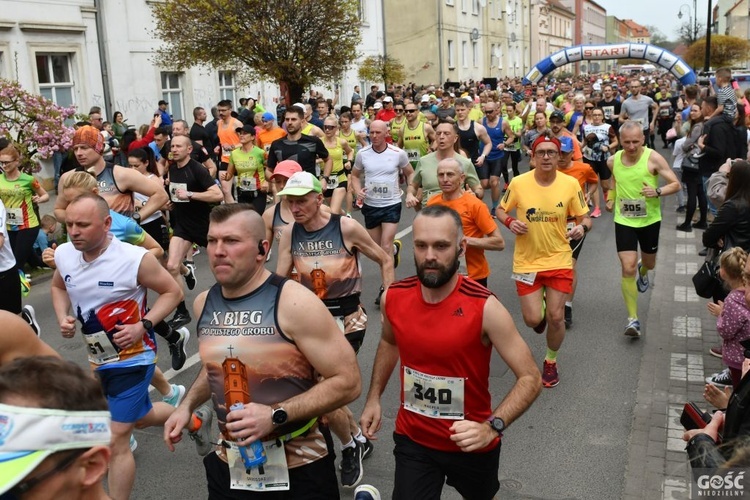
(253,456)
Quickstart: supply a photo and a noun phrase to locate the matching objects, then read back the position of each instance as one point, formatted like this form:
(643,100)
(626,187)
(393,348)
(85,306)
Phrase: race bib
(525,278)
(173,187)
(271,476)
(608,111)
(332,182)
(641,122)
(633,208)
(248,184)
(101,349)
(15,216)
(433,396)
(413,154)
(380,191)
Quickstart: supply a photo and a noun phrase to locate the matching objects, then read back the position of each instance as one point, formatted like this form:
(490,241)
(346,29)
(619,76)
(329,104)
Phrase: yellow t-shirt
(545,210)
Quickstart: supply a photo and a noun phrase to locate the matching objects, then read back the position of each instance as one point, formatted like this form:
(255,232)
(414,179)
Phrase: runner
(105,284)
(443,328)
(599,140)
(542,261)
(479,229)
(415,137)
(471,134)
(283,397)
(634,196)
(297,146)
(323,249)
(381,164)
(501,136)
(229,141)
(248,163)
(342,156)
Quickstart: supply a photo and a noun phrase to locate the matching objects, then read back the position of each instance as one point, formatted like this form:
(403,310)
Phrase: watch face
(279,416)
(497,424)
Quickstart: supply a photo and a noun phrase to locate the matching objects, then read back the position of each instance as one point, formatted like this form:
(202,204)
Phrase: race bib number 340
(433,396)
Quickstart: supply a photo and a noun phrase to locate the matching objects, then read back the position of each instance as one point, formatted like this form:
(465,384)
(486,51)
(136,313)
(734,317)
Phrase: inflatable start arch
(662,57)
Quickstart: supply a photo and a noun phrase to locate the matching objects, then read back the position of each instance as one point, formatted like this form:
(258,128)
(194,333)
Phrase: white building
(98,53)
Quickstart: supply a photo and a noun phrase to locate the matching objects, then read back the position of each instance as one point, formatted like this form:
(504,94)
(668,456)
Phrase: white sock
(350,444)
(360,437)
(569,304)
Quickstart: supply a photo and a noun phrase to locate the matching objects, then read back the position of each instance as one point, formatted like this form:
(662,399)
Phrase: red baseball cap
(544,138)
(286,168)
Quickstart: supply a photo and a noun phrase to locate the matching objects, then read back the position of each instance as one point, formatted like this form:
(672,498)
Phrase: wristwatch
(137,218)
(658,192)
(279,415)
(189,195)
(147,324)
(497,424)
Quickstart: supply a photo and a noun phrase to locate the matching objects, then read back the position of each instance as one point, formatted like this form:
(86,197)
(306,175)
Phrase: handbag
(707,281)
(689,162)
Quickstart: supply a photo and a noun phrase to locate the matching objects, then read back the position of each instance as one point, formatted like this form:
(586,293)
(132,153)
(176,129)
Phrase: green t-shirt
(16,196)
(426,175)
(249,168)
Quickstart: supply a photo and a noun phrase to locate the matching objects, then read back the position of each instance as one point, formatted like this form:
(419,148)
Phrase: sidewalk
(675,362)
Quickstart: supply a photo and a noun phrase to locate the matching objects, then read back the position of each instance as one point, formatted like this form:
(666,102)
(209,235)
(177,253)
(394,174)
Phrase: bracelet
(508,221)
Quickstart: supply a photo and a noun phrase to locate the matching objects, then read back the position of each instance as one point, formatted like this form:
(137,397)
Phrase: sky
(659,13)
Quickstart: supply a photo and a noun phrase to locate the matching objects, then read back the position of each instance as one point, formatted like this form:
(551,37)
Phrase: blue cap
(566,144)
(268,116)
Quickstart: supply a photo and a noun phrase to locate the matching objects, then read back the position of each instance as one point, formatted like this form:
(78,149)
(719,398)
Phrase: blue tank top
(497,136)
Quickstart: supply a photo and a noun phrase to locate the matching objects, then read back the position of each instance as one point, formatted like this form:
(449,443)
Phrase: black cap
(163,102)
(250,129)
(557,115)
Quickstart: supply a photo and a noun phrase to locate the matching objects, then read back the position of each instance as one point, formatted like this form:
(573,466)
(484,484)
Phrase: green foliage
(386,69)
(294,42)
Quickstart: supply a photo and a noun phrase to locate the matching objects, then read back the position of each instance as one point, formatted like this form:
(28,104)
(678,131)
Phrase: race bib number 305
(633,208)
(433,396)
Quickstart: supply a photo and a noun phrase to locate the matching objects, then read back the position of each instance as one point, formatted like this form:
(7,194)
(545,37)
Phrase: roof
(636,29)
(557,5)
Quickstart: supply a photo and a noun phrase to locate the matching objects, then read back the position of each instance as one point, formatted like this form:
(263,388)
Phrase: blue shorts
(376,216)
(126,390)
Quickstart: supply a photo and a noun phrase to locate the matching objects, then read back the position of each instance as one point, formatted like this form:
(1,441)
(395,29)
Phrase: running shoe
(685,227)
(25,283)
(720,379)
(177,350)
(568,316)
(179,319)
(700,225)
(550,378)
(642,280)
(492,213)
(368,448)
(366,492)
(716,351)
(351,465)
(133,443)
(196,249)
(596,213)
(202,436)
(175,397)
(190,276)
(396,253)
(29,315)
(633,329)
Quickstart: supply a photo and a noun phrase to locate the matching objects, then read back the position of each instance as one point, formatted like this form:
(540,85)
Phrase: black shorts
(629,238)
(600,167)
(10,291)
(494,167)
(376,216)
(193,234)
(421,472)
(223,166)
(483,172)
(355,339)
(159,231)
(576,246)
(315,481)
(329,192)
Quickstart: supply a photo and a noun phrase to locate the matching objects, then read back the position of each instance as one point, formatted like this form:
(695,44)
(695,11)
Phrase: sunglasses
(329,127)
(589,108)
(410,110)
(399,110)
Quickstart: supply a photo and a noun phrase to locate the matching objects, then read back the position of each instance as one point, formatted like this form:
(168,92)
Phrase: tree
(657,37)
(386,69)
(689,34)
(294,42)
(725,51)
(34,124)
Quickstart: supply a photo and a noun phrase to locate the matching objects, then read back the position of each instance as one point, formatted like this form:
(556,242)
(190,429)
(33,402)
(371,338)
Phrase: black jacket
(732,224)
(723,142)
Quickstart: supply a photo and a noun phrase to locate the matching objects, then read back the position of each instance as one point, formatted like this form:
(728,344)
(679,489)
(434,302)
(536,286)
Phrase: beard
(439,278)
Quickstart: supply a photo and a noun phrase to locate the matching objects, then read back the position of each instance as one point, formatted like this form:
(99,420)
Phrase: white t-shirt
(7,260)
(678,154)
(141,200)
(381,174)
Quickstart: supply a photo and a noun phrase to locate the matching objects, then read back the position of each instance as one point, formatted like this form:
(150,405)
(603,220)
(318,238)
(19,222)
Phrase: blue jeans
(711,207)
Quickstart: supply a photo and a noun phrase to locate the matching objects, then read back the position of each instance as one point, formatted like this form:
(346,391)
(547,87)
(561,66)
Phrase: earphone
(261,250)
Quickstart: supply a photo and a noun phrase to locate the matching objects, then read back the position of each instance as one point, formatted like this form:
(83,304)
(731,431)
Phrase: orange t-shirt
(477,223)
(266,137)
(228,137)
(582,172)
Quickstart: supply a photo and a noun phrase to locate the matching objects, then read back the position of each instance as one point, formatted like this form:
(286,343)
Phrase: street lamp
(692,18)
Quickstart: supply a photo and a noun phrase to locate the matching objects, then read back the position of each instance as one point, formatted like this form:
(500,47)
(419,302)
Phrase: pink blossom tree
(34,124)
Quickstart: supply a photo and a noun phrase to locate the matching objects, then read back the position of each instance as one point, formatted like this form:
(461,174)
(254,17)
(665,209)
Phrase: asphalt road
(572,442)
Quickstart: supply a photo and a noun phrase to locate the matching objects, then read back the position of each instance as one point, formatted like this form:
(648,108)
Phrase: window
(226,85)
(54,75)
(475,53)
(449,2)
(451,54)
(465,54)
(475,7)
(463,5)
(363,11)
(171,91)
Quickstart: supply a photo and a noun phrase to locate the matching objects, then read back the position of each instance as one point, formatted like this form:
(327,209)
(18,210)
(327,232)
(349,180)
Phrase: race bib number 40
(433,396)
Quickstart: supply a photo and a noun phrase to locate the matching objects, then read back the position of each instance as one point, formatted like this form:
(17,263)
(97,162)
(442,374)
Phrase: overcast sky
(659,13)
